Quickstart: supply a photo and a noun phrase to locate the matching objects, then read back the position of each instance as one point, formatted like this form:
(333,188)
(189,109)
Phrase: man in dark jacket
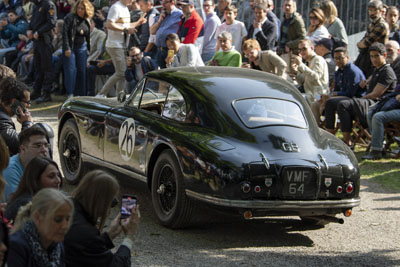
(262,29)
(378,31)
(42,22)
(11,28)
(15,100)
(137,67)
(292,28)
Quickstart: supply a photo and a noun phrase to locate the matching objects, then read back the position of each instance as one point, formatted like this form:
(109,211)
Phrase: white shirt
(238,31)
(118,13)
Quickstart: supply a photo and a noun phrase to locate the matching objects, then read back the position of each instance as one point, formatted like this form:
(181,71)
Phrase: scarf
(41,257)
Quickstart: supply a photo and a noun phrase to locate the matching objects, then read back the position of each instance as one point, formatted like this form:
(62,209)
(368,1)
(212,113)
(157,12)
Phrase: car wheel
(70,152)
(172,208)
(314,221)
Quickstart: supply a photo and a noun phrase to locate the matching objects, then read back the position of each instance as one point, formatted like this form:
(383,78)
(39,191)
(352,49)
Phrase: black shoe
(44,98)
(373,154)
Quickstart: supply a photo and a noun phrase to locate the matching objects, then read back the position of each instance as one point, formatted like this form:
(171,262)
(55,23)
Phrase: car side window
(175,106)
(154,95)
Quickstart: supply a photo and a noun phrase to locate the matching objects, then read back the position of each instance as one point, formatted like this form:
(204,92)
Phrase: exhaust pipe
(328,219)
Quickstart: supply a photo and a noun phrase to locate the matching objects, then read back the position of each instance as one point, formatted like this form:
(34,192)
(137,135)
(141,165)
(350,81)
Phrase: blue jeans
(92,71)
(207,56)
(376,125)
(75,71)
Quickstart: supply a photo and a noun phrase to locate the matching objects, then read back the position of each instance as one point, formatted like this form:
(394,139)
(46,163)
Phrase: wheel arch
(161,147)
(64,118)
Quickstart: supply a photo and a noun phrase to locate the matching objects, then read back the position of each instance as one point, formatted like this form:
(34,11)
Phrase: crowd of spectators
(126,39)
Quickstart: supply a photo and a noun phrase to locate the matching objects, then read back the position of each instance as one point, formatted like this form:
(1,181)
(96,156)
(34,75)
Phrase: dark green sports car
(239,140)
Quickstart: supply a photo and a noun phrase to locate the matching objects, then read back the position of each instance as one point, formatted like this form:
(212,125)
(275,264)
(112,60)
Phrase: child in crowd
(236,28)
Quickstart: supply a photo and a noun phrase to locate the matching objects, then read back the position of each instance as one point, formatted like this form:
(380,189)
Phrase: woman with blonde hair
(317,30)
(333,24)
(39,230)
(84,243)
(76,43)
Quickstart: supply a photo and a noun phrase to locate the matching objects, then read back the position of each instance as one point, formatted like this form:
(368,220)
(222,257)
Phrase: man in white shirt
(119,26)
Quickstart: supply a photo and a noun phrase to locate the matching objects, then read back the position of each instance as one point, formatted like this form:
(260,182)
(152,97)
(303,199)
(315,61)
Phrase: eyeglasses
(40,145)
(136,55)
(303,49)
(27,102)
(339,58)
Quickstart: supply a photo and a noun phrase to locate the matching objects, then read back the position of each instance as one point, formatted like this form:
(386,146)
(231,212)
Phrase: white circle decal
(126,140)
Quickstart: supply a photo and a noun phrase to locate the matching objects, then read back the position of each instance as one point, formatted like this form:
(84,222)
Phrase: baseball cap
(186,2)
(326,42)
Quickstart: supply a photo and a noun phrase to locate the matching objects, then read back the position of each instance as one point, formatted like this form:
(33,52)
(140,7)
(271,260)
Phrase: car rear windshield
(258,112)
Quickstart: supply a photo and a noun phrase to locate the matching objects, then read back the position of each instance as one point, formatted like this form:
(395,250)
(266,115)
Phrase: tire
(171,206)
(69,149)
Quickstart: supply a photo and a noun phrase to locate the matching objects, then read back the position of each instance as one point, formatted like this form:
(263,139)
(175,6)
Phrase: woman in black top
(76,43)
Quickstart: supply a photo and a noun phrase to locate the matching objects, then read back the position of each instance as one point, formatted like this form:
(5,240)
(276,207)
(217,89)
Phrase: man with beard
(137,66)
(393,57)
(378,31)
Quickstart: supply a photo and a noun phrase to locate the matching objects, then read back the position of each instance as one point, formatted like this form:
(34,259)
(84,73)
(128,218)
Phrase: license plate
(299,182)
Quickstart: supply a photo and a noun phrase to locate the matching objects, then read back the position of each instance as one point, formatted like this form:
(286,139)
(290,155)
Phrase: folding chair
(360,135)
(392,133)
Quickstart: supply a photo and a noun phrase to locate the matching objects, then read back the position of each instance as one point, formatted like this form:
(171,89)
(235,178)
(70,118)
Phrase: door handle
(141,130)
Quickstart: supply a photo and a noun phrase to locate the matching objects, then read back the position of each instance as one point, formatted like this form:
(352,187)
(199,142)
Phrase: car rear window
(258,112)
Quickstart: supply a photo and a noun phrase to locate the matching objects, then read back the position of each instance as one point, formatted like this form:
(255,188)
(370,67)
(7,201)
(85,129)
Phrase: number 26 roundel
(126,140)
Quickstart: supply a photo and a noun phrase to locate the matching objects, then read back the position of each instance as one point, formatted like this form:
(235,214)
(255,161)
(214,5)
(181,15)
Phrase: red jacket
(191,29)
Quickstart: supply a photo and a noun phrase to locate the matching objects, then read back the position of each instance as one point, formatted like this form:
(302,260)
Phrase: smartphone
(127,204)
(14,107)
(170,53)
(93,62)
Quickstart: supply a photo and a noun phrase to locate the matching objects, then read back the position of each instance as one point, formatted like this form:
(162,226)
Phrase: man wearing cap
(323,48)
(167,22)
(191,24)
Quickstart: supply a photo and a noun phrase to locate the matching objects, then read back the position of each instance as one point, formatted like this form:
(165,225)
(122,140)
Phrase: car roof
(228,83)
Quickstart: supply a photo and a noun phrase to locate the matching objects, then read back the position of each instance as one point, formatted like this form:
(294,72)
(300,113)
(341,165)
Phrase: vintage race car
(240,140)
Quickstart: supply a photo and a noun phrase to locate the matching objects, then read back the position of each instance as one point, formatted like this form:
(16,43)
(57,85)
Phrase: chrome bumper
(276,204)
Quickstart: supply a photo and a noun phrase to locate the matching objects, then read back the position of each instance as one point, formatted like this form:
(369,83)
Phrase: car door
(127,128)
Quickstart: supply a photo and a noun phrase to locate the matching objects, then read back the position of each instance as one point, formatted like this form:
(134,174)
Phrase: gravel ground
(370,237)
